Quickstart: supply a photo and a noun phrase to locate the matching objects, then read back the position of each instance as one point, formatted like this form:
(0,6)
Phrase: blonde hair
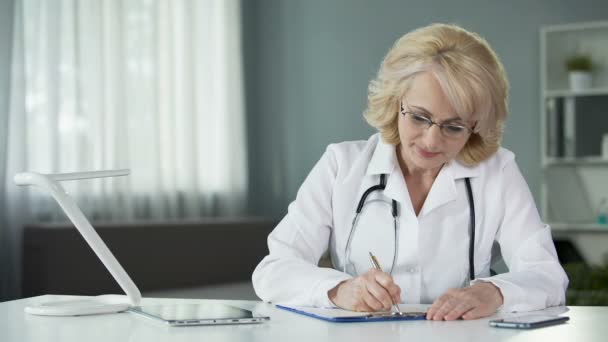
(469,73)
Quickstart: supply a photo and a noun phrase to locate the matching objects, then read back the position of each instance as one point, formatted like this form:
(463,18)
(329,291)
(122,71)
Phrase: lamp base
(77,307)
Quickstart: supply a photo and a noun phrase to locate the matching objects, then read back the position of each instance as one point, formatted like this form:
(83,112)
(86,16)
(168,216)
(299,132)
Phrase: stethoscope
(382,186)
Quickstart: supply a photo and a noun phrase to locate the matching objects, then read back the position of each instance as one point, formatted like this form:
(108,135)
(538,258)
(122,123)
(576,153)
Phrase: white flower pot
(579,80)
(605,146)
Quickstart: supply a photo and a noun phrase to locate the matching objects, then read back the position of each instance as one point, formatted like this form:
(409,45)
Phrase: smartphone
(528,321)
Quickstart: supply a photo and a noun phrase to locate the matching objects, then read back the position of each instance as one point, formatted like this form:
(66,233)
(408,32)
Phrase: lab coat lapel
(442,191)
(396,189)
(384,161)
(381,162)
(444,188)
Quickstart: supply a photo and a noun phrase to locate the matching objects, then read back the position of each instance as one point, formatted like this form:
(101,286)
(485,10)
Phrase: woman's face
(427,148)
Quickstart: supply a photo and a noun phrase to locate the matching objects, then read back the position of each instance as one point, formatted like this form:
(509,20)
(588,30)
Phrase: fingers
(437,304)
(372,301)
(359,294)
(385,288)
(441,304)
(378,291)
(473,302)
(475,314)
(458,311)
(387,282)
(381,296)
(362,306)
(372,291)
(451,305)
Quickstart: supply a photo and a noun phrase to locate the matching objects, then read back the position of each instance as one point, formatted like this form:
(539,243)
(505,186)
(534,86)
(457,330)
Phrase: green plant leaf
(579,63)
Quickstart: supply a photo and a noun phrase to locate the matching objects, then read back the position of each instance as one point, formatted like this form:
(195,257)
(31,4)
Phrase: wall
(308,64)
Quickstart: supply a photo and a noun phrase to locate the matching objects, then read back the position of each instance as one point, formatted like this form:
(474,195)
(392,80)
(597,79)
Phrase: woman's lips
(426,154)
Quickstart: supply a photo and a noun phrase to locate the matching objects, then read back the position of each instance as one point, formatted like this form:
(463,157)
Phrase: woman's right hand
(372,291)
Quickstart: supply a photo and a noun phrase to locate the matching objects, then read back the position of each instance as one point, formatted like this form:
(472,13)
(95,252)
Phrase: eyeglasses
(451,131)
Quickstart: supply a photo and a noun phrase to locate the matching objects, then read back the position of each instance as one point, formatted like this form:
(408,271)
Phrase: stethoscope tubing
(394,212)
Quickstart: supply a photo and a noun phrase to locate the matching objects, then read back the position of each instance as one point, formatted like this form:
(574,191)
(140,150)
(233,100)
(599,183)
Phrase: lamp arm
(50,183)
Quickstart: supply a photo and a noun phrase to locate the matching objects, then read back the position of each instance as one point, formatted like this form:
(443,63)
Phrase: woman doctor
(427,195)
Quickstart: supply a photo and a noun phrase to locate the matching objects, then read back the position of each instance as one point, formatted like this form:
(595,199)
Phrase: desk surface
(586,324)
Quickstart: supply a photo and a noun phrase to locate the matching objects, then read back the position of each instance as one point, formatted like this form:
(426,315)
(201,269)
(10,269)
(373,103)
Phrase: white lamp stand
(100,304)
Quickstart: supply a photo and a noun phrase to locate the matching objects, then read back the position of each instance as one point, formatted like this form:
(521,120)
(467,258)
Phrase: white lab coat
(432,247)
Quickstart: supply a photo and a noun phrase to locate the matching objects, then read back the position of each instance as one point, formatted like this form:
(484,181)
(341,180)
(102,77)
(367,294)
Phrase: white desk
(586,324)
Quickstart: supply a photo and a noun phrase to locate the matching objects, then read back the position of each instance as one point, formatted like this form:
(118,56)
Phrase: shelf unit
(575,161)
(576,227)
(572,126)
(572,93)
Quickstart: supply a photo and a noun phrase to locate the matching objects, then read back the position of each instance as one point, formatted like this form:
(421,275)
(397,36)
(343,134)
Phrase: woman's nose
(433,138)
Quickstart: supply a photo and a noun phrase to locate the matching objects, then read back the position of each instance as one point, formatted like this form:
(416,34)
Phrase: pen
(376,265)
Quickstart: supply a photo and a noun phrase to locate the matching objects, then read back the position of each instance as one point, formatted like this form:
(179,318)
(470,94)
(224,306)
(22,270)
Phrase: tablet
(198,314)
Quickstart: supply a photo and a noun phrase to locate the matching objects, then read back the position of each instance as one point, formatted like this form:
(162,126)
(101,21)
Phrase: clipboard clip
(412,314)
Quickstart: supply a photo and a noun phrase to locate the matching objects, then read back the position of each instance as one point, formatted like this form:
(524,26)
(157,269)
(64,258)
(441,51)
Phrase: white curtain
(150,85)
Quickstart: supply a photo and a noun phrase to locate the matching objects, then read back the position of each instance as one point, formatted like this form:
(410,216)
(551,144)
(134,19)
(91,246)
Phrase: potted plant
(579,72)
(588,284)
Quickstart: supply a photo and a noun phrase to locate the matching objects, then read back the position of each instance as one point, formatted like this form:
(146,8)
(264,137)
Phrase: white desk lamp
(100,304)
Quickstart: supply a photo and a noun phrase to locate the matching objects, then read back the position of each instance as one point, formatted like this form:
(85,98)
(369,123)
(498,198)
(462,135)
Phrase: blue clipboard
(370,317)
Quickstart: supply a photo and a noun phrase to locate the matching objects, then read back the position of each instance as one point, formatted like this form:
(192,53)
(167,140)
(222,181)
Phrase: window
(150,85)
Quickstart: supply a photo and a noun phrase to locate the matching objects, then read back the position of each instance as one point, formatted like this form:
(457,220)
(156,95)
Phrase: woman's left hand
(479,300)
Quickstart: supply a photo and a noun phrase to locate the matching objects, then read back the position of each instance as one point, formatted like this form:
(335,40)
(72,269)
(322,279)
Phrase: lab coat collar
(384,158)
(384,161)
